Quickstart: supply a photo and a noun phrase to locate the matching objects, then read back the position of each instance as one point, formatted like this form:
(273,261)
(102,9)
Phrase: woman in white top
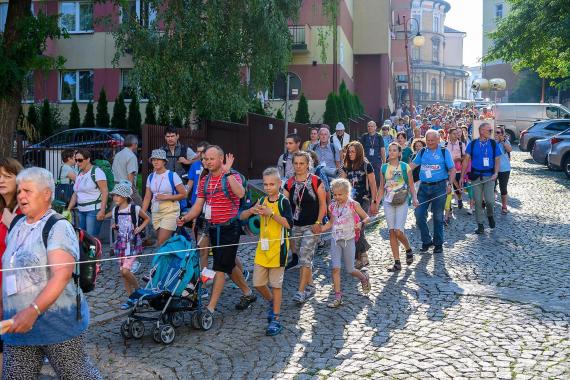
(164,191)
(90,193)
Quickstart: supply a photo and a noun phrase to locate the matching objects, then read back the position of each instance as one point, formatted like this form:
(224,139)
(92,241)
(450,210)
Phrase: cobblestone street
(491,306)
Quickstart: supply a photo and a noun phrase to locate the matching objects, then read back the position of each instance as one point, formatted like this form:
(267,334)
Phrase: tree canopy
(210,55)
(535,35)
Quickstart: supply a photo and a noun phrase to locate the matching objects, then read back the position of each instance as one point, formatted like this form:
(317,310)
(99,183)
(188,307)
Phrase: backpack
(135,219)
(184,202)
(284,163)
(105,166)
(89,267)
(183,150)
(244,203)
(314,183)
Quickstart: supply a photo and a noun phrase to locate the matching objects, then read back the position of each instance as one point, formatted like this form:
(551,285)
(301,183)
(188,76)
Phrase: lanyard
(371,140)
(486,145)
(298,193)
(157,188)
(21,243)
(209,201)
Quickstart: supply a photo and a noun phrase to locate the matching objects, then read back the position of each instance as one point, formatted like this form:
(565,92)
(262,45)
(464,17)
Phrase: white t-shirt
(87,190)
(161,184)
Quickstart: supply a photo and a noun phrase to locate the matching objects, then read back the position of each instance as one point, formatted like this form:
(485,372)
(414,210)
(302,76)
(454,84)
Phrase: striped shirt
(223,209)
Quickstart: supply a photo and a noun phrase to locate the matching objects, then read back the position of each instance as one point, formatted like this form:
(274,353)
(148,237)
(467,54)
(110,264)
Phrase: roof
(447,29)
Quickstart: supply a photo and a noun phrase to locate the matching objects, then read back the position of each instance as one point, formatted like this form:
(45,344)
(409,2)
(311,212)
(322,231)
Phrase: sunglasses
(498,133)
(79,160)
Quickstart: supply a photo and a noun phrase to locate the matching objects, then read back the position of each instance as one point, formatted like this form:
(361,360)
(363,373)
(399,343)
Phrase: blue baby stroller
(175,287)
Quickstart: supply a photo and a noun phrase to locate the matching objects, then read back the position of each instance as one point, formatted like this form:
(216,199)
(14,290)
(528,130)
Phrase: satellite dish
(480,85)
(498,84)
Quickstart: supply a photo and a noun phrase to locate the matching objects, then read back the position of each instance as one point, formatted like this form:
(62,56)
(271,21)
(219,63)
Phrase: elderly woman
(164,191)
(39,303)
(90,193)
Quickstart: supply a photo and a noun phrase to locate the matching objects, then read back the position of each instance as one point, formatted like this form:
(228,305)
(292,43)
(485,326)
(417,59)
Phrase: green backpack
(105,166)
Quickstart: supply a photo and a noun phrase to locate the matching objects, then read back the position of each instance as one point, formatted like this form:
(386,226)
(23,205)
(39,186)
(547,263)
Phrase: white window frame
(77,91)
(77,17)
(501,7)
(416,12)
(29,101)
(121,87)
(151,16)
(436,22)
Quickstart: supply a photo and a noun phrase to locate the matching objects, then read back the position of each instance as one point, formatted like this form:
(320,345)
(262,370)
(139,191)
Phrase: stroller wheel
(126,330)
(196,320)
(156,335)
(167,334)
(206,320)
(137,329)
(177,319)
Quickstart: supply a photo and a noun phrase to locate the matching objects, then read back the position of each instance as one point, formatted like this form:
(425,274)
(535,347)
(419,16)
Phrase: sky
(467,16)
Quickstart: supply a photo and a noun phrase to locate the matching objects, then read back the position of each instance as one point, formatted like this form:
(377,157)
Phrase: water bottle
(91,252)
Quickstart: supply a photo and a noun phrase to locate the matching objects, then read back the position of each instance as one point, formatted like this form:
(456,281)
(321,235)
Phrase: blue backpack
(244,203)
(183,202)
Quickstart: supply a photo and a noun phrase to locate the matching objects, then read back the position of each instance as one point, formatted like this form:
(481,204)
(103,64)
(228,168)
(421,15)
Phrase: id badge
(208,212)
(371,152)
(10,285)
(428,173)
(264,244)
(297,213)
(485,161)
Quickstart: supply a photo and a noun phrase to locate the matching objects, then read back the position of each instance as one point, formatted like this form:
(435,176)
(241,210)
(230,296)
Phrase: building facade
(437,70)
(493,12)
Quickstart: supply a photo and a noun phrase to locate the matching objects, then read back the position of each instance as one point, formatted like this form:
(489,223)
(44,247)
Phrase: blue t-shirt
(480,152)
(434,166)
(25,248)
(372,144)
(194,176)
(505,165)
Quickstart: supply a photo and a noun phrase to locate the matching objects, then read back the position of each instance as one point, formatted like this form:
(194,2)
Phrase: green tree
(119,119)
(102,118)
(330,117)
(302,114)
(135,119)
(197,65)
(150,113)
(528,89)
(279,115)
(89,118)
(257,107)
(535,35)
(164,117)
(46,120)
(21,47)
(33,116)
(74,117)
(358,104)
(177,121)
(345,98)
(342,115)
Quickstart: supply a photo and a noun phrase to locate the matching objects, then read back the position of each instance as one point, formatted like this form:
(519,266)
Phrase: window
(279,90)
(433,89)
(558,127)
(3,15)
(435,50)
(415,54)
(416,13)
(76,16)
(76,85)
(552,112)
(28,88)
(128,88)
(436,23)
(498,11)
(140,10)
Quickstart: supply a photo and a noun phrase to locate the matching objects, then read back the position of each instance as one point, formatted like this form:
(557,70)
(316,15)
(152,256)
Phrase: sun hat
(123,189)
(339,126)
(159,154)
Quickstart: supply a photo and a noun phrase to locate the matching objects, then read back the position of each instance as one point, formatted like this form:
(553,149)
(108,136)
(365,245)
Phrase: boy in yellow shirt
(276,220)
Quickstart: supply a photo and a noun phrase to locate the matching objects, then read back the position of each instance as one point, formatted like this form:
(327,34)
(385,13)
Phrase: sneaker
(366,285)
(274,328)
(127,305)
(336,303)
(460,204)
(245,301)
(205,293)
(310,291)
(300,297)
(438,249)
(135,267)
(293,263)
(491,222)
(425,247)
(470,211)
(480,229)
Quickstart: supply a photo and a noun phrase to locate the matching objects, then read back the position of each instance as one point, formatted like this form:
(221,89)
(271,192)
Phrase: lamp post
(418,40)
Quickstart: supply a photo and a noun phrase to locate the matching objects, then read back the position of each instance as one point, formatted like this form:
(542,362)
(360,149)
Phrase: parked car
(559,155)
(540,151)
(516,117)
(103,142)
(541,130)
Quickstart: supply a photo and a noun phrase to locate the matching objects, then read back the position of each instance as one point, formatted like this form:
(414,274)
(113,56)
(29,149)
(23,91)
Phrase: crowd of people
(321,193)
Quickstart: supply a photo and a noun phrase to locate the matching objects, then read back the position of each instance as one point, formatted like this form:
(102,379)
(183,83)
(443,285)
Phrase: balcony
(301,36)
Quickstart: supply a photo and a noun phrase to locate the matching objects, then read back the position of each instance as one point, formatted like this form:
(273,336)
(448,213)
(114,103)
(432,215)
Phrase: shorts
(263,276)
(224,257)
(303,243)
(201,226)
(127,262)
(343,250)
(502,180)
(166,216)
(396,216)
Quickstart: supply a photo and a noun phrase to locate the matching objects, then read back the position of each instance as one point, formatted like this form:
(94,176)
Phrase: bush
(330,116)
(89,119)
(45,127)
(119,119)
(279,115)
(257,107)
(150,113)
(102,118)
(135,119)
(164,115)
(74,117)
(33,116)
(342,115)
(302,115)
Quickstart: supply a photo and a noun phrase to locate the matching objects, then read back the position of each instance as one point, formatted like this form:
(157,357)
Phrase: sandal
(274,328)
(504,211)
(396,268)
(409,256)
(127,305)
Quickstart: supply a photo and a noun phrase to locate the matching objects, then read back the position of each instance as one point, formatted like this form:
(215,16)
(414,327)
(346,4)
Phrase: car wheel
(566,166)
(530,146)
(512,137)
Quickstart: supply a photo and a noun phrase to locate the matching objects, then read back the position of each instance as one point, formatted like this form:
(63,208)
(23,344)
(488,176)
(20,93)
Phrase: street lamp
(418,40)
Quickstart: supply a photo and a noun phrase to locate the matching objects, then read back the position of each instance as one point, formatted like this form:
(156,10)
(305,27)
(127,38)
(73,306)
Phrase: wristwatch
(318,222)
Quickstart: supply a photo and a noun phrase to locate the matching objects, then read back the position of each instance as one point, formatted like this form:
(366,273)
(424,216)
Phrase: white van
(516,117)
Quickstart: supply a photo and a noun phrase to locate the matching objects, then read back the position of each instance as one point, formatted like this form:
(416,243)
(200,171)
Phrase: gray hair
(40,176)
(131,140)
(432,132)
(271,172)
(217,148)
(342,184)
(324,129)
(484,125)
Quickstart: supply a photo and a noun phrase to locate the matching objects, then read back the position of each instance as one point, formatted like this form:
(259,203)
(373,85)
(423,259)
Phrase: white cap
(339,126)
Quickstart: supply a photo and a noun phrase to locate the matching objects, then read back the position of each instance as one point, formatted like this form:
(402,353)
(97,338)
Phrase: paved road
(492,306)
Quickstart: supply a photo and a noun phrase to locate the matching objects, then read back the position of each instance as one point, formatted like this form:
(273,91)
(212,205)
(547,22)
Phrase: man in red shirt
(222,213)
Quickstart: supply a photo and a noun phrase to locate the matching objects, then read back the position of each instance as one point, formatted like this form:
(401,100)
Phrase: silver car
(559,155)
(540,151)
(541,130)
